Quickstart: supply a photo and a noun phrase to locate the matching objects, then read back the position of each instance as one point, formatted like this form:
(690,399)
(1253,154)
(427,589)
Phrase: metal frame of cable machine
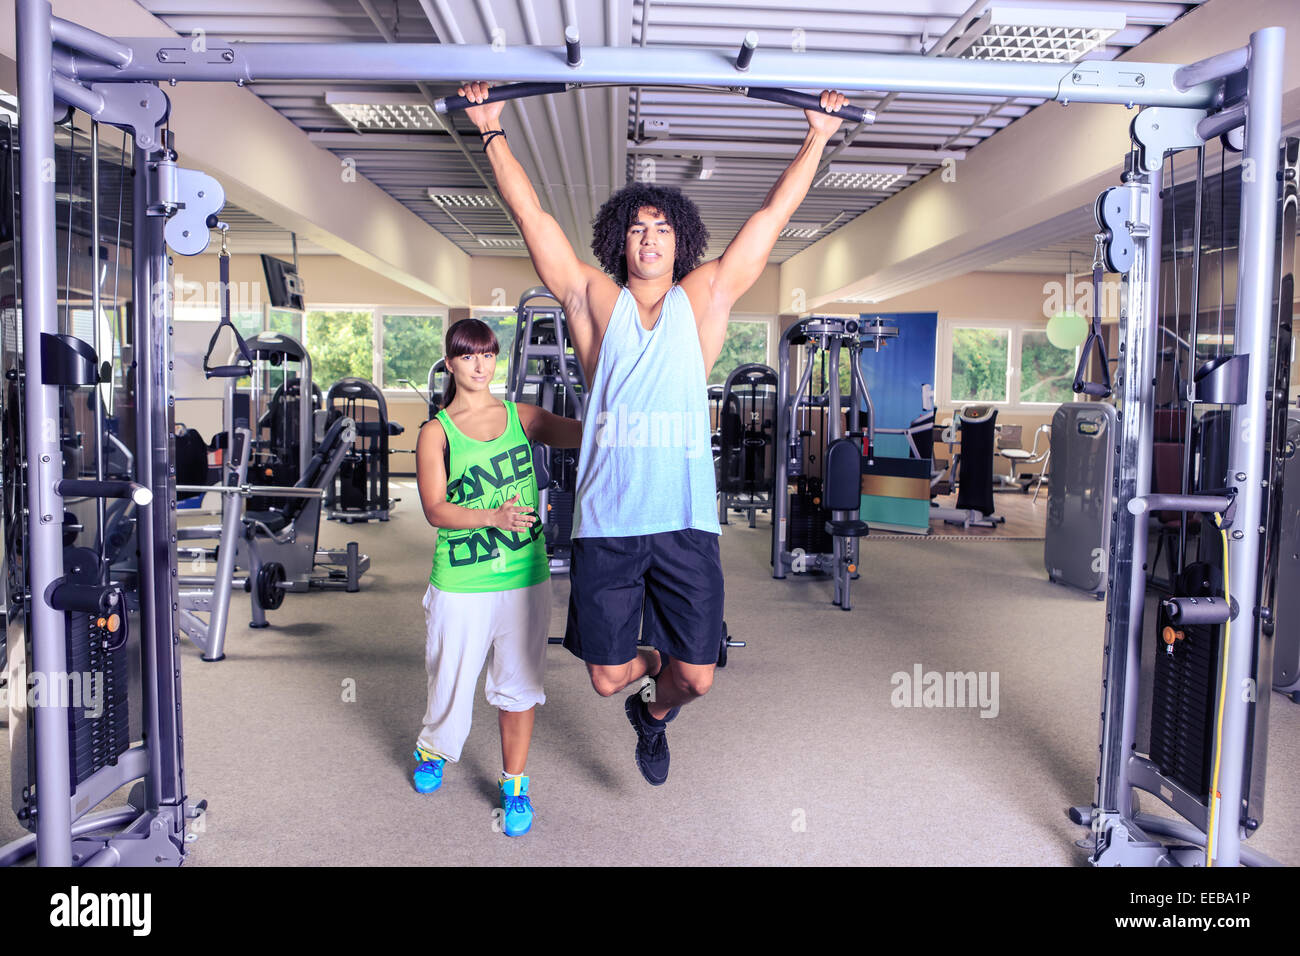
(833,337)
(114,81)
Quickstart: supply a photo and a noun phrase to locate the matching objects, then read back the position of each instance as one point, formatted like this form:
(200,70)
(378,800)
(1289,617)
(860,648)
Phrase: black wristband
(489,132)
(491,135)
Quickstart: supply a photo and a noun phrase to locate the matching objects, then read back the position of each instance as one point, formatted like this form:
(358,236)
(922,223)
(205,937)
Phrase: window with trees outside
(411,344)
(980,364)
(1004,366)
(1046,372)
(285,321)
(383,346)
(341,345)
(746,343)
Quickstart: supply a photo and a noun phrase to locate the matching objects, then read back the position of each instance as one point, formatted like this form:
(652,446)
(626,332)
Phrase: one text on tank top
(484,475)
(646,463)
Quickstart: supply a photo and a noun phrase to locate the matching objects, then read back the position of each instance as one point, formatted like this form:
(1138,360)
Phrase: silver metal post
(41,428)
(870,439)
(1247,465)
(1139,404)
(834,428)
(147,288)
(306,421)
(95,306)
(159,598)
(1187,399)
(232,516)
(781,477)
(1139,329)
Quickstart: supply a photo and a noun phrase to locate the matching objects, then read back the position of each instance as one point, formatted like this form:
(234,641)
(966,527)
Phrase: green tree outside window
(746,342)
(286,322)
(979,364)
(341,344)
(412,344)
(1046,372)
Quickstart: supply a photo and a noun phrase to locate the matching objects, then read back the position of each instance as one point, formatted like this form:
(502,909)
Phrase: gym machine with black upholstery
(970,471)
(360,490)
(818,483)
(278,548)
(285,429)
(746,442)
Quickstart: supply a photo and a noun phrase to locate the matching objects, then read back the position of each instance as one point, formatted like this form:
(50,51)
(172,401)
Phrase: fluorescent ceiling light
(860,176)
(500,242)
(801,230)
(462,198)
(384,112)
(1035,36)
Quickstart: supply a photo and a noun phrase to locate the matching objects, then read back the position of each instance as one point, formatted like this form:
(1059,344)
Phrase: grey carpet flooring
(797,756)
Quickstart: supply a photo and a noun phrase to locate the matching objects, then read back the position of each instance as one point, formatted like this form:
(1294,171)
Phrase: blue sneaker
(517,818)
(428,772)
(651,739)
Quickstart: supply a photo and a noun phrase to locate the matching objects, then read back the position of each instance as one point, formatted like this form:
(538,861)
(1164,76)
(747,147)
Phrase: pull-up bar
(514,91)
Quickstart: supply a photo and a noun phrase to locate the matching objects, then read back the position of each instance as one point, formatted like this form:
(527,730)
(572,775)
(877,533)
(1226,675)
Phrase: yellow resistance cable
(1211,835)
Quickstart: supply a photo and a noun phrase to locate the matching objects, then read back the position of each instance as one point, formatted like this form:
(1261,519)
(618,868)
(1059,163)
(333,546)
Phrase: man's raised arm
(730,276)
(564,274)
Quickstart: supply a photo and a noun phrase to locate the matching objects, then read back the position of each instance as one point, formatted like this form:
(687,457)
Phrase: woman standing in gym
(489,595)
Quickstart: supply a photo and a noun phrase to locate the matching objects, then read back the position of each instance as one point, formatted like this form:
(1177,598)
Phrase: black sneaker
(651,740)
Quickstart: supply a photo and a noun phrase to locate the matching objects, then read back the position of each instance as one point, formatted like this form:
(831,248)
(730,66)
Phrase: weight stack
(1182,705)
(94,742)
(561,517)
(352,483)
(806,524)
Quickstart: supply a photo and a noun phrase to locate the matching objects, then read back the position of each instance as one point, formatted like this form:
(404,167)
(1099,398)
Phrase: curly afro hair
(619,212)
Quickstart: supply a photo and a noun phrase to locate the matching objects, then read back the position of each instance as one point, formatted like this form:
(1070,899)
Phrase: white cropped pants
(507,630)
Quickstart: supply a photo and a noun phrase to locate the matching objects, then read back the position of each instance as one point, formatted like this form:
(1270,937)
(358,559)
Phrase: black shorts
(667,587)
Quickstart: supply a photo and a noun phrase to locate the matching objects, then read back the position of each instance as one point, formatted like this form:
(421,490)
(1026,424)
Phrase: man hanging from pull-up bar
(647,331)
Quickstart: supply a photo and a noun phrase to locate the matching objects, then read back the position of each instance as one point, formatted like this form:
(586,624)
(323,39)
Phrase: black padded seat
(191,463)
(843,475)
(277,519)
(844,487)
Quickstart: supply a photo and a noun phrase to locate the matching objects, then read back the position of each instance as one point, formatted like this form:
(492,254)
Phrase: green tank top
(483,475)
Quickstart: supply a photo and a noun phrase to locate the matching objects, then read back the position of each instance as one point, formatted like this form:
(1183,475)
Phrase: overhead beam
(1092,81)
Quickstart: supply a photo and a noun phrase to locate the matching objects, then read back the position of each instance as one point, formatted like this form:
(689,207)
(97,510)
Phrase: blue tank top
(646,464)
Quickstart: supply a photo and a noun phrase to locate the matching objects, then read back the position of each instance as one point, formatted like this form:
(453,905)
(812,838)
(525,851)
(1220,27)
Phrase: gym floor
(797,756)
